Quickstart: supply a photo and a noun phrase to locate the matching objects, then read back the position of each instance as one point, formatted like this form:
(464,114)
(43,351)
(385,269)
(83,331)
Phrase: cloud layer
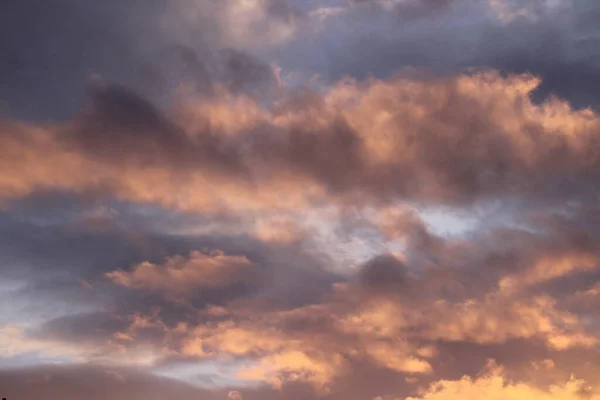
(271,199)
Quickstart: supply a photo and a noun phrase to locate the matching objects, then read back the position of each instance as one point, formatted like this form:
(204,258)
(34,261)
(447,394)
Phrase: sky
(300,199)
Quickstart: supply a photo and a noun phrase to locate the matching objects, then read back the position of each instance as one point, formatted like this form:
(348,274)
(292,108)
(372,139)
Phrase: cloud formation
(281,199)
(446,141)
(493,385)
(181,276)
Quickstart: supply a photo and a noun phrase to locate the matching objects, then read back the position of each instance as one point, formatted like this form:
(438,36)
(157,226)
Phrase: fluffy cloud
(386,316)
(493,385)
(181,276)
(449,140)
(382,231)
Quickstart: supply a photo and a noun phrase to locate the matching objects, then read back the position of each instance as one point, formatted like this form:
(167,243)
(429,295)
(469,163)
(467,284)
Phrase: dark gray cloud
(370,39)
(122,126)
(109,382)
(52,51)
(48,243)
(52,48)
(406,11)
(93,382)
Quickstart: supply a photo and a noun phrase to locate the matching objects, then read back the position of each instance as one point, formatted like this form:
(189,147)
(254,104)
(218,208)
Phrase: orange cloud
(494,386)
(181,276)
(446,140)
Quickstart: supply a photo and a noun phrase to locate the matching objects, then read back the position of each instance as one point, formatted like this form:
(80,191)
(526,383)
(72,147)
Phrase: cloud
(507,11)
(408,9)
(96,381)
(181,276)
(387,317)
(446,141)
(234,395)
(398,191)
(160,46)
(551,39)
(392,315)
(493,385)
(15,343)
(21,346)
